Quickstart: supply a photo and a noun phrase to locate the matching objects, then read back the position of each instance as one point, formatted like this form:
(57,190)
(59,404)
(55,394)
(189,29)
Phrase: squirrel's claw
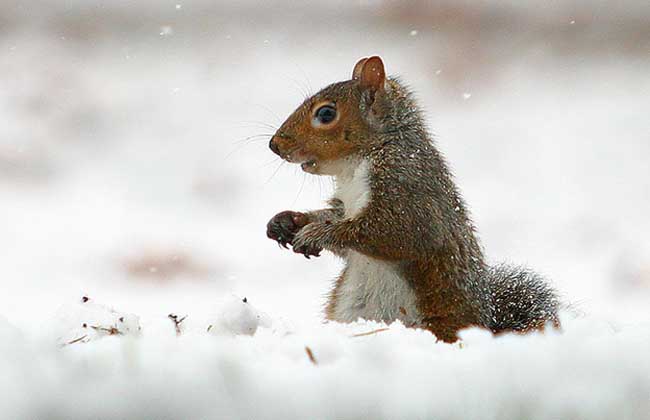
(283,228)
(307,251)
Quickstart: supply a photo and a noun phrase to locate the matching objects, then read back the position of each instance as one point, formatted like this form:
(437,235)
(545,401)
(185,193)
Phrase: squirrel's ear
(372,75)
(356,73)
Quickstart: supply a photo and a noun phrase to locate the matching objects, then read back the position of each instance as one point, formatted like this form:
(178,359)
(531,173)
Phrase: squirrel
(396,218)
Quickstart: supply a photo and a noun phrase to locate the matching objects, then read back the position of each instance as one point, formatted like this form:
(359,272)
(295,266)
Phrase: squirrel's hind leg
(333,297)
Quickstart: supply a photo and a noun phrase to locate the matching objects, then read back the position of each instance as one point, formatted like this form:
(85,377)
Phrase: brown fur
(331,297)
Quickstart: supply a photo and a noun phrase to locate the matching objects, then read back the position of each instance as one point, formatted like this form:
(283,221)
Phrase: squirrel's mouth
(309,166)
(307,162)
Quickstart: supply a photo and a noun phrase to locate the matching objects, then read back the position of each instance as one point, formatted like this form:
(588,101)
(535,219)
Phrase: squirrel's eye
(324,115)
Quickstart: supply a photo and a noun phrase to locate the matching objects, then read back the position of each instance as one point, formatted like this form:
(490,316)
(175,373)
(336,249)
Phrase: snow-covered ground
(128,176)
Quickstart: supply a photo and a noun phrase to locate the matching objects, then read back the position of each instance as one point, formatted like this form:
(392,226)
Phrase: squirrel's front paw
(284,226)
(308,240)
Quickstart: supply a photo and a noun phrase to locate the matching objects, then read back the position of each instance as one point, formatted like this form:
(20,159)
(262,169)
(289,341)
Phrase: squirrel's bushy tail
(521,300)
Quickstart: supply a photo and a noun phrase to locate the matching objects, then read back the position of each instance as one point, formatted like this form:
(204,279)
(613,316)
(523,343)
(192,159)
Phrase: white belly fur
(374,290)
(371,289)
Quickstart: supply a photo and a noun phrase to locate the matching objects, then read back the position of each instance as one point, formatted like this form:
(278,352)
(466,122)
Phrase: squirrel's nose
(274,147)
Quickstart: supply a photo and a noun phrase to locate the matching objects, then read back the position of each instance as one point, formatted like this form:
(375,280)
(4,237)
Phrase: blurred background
(134,167)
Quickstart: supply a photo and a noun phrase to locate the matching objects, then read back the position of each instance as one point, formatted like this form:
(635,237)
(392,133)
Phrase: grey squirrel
(396,217)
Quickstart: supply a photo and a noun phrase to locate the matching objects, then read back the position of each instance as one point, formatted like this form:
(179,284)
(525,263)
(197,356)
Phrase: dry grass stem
(310,354)
(370,332)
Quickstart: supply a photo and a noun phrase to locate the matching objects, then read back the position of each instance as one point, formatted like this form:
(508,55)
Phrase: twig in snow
(76,340)
(177,322)
(370,332)
(310,354)
(112,330)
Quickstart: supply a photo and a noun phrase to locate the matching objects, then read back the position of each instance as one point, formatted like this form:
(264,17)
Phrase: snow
(237,316)
(86,321)
(397,373)
(126,177)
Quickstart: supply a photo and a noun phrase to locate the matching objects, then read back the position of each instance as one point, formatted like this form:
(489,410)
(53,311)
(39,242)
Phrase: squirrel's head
(336,123)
